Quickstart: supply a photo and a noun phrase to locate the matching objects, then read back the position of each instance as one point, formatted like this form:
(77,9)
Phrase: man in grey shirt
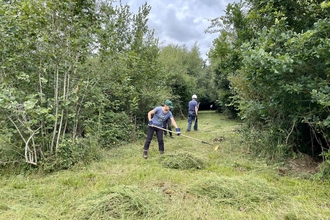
(192,113)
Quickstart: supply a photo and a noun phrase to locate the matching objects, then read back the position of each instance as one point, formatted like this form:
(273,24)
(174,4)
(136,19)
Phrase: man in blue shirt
(192,113)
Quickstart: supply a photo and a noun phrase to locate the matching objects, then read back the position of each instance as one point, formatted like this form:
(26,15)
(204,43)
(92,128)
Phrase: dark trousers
(150,134)
(192,118)
(168,126)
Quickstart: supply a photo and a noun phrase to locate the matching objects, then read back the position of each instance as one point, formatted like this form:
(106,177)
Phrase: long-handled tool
(196,117)
(195,139)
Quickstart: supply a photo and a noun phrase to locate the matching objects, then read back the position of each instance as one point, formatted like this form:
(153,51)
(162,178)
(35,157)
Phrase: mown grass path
(192,180)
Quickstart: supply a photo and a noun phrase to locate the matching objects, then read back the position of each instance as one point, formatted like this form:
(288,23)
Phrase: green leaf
(30,104)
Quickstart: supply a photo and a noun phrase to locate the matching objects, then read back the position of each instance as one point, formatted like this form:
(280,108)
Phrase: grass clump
(182,161)
(122,202)
(242,192)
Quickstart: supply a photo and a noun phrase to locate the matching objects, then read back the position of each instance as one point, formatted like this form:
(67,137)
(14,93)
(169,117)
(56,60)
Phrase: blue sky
(182,22)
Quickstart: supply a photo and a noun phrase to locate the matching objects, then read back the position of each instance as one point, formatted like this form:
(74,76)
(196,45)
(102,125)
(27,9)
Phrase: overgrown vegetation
(77,76)
(271,61)
(80,75)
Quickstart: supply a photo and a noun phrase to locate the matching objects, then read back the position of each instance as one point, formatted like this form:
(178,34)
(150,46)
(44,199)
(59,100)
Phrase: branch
(287,138)
(17,128)
(28,149)
(4,163)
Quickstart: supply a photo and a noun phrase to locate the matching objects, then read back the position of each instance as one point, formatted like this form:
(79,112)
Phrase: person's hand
(178,131)
(150,123)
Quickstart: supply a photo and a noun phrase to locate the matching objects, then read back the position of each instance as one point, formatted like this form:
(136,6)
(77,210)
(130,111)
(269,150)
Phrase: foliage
(39,76)
(324,173)
(182,70)
(116,128)
(128,70)
(225,58)
(280,76)
(72,70)
(267,144)
(81,151)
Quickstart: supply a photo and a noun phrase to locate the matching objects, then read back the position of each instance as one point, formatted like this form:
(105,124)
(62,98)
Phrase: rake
(195,139)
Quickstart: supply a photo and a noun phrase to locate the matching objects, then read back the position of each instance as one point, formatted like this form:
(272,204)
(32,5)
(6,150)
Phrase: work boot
(161,152)
(145,154)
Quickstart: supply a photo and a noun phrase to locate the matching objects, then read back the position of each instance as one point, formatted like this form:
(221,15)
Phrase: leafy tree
(182,67)
(226,55)
(127,68)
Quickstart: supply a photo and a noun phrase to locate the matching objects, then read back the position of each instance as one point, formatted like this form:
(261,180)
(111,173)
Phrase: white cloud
(182,22)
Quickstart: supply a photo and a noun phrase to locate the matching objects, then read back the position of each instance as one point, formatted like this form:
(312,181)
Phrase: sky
(182,22)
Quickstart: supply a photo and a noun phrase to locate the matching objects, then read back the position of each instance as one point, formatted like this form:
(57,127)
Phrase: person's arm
(196,110)
(177,129)
(174,123)
(150,113)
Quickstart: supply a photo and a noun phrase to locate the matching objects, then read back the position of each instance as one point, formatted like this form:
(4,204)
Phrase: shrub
(71,153)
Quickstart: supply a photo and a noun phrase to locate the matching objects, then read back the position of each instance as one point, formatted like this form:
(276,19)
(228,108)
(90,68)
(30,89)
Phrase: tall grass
(192,180)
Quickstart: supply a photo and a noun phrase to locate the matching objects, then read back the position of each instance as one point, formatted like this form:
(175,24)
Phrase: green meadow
(212,176)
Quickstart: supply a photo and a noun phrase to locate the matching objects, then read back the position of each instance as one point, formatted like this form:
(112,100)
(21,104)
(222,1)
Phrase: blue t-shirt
(159,116)
(192,104)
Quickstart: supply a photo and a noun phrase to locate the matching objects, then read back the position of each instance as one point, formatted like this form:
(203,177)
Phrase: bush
(267,143)
(116,129)
(325,166)
(70,153)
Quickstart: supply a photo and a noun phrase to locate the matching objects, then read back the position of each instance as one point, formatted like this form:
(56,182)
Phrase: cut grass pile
(242,192)
(121,202)
(182,161)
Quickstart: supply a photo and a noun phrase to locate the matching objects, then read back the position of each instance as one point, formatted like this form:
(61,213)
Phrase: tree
(182,67)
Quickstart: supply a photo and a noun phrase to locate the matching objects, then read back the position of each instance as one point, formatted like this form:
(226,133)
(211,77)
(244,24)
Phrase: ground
(303,163)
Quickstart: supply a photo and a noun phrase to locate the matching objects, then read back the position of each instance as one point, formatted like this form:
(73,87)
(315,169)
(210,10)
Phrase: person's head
(168,105)
(194,96)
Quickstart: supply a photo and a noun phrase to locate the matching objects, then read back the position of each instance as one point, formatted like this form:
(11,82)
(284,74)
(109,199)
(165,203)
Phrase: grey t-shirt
(192,104)
(159,116)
